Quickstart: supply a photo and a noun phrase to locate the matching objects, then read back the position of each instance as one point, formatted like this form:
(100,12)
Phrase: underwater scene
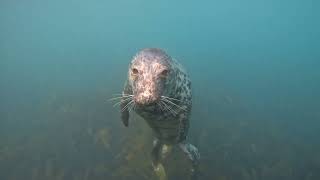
(253,65)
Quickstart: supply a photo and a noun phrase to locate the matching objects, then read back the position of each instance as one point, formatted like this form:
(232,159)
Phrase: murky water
(256,82)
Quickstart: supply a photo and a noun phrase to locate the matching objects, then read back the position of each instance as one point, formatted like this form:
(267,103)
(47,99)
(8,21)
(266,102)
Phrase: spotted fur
(169,127)
(153,74)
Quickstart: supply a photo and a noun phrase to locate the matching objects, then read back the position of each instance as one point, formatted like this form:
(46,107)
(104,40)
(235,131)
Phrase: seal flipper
(124,114)
(156,158)
(124,111)
(193,154)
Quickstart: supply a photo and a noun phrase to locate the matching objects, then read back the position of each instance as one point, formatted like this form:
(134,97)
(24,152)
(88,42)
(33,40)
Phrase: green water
(254,66)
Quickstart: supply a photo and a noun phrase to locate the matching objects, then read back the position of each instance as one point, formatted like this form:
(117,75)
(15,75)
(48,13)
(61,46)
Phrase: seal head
(149,75)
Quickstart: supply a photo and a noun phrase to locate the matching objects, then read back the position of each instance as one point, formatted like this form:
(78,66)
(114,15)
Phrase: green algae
(83,139)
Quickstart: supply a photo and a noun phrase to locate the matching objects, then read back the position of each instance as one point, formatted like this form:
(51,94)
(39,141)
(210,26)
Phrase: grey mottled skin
(152,75)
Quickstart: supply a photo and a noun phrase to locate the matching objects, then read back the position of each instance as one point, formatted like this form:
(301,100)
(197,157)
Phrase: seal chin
(147,104)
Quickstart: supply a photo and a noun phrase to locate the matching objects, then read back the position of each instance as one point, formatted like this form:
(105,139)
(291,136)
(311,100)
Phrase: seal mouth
(148,102)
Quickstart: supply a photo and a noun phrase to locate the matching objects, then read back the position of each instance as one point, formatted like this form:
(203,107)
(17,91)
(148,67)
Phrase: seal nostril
(144,99)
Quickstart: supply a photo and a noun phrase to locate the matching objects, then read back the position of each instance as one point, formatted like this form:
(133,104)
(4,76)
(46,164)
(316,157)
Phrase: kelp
(77,138)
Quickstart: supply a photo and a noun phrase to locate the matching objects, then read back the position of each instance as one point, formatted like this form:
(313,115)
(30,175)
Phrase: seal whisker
(131,107)
(169,108)
(174,104)
(160,106)
(115,98)
(122,100)
(166,97)
(165,107)
(174,112)
(126,106)
(134,106)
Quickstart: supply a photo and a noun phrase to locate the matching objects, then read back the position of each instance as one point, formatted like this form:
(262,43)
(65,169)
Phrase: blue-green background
(254,65)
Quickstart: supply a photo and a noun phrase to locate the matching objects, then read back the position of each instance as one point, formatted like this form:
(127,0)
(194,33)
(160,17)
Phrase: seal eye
(135,71)
(164,73)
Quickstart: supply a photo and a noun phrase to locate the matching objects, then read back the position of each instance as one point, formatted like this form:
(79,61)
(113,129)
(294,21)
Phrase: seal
(159,90)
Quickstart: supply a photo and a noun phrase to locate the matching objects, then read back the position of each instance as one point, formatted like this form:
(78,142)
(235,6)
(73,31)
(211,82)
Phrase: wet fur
(167,126)
(169,121)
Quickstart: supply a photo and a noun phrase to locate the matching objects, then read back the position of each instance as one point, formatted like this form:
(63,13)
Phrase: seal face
(148,76)
(159,90)
(161,93)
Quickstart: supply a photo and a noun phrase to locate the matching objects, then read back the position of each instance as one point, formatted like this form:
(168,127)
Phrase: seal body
(171,125)
(159,90)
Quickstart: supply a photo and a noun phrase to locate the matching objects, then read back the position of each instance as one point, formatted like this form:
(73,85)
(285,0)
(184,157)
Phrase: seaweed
(77,138)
